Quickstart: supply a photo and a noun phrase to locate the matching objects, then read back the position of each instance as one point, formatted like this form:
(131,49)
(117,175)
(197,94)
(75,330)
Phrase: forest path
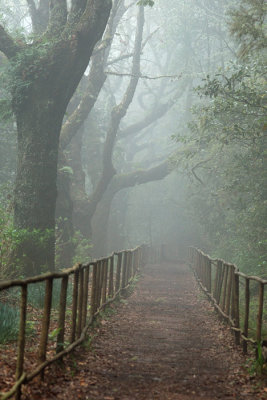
(163,342)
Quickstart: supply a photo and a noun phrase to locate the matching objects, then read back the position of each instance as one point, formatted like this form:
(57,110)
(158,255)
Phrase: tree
(45,71)
(226,149)
(118,183)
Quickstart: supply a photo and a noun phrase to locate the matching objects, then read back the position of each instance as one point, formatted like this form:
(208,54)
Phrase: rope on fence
(95,280)
(221,283)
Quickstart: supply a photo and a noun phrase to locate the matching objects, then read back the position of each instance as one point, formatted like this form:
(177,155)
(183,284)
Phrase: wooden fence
(94,285)
(223,283)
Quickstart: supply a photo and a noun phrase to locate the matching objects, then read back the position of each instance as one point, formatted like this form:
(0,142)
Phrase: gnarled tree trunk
(46,73)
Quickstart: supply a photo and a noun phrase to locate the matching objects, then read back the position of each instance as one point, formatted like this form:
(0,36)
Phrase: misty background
(163,141)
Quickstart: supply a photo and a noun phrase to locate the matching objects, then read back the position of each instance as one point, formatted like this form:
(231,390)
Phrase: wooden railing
(230,292)
(93,286)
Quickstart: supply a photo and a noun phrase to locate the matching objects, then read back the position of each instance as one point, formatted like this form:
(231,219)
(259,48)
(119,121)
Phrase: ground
(163,342)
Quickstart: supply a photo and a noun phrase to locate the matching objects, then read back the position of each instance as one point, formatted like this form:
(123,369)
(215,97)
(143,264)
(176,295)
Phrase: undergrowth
(9,323)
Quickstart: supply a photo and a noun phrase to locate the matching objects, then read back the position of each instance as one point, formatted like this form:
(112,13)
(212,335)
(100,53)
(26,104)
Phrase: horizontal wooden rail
(222,281)
(94,286)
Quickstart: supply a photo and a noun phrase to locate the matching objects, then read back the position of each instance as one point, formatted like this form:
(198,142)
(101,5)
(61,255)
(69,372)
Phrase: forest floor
(163,342)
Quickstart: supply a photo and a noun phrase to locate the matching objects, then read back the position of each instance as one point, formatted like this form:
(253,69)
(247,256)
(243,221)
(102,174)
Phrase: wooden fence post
(62,313)
(118,272)
(21,338)
(236,306)
(209,275)
(220,286)
(130,266)
(104,285)
(229,290)
(124,266)
(260,312)
(127,269)
(136,253)
(45,322)
(215,287)
(111,272)
(226,271)
(246,317)
(94,291)
(85,294)
(74,305)
(99,283)
(80,301)
(233,293)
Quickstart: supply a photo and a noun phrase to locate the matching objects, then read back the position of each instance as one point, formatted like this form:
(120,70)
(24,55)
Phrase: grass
(36,294)
(9,323)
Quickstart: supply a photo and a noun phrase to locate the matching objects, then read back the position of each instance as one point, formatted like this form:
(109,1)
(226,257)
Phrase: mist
(161,142)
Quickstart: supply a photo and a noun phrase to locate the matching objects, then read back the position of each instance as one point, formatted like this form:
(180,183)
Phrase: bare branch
(120,58)
(193,170)
(157,112)
(149,37)
(144,76)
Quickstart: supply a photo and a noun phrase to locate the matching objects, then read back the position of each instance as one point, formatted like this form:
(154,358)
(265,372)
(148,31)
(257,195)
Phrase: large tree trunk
(46,73)
(35,187)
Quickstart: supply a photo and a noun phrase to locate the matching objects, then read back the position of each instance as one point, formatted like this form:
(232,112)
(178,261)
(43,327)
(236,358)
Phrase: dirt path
(162,343)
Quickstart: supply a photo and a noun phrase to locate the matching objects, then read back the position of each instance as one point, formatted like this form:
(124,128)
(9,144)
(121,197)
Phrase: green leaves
(224,155)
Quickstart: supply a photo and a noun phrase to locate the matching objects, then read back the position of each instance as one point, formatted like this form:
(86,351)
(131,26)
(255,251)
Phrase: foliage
(12,238)
(83,248)
(9,322)
(36,294)
(225,156)
(257,366)
(8,235)
(248,25)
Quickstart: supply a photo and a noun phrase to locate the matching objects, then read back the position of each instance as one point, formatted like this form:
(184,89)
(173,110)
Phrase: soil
(163,342)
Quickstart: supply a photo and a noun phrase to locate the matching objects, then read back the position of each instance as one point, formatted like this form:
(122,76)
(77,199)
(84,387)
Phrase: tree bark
(45,76)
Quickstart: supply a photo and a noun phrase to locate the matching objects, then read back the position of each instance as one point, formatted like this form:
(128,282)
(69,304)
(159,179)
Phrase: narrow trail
(164,342)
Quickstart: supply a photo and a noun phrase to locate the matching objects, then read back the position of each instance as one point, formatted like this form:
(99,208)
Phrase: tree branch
(199,164)
(39,16)
(122,181)
(117,114)
(159,111)
(94,16)
(96,80)
(58,15)
(32,9)
(119,58)
(143,76)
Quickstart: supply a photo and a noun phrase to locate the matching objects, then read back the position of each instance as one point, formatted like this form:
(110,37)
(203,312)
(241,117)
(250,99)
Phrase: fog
(161,142)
